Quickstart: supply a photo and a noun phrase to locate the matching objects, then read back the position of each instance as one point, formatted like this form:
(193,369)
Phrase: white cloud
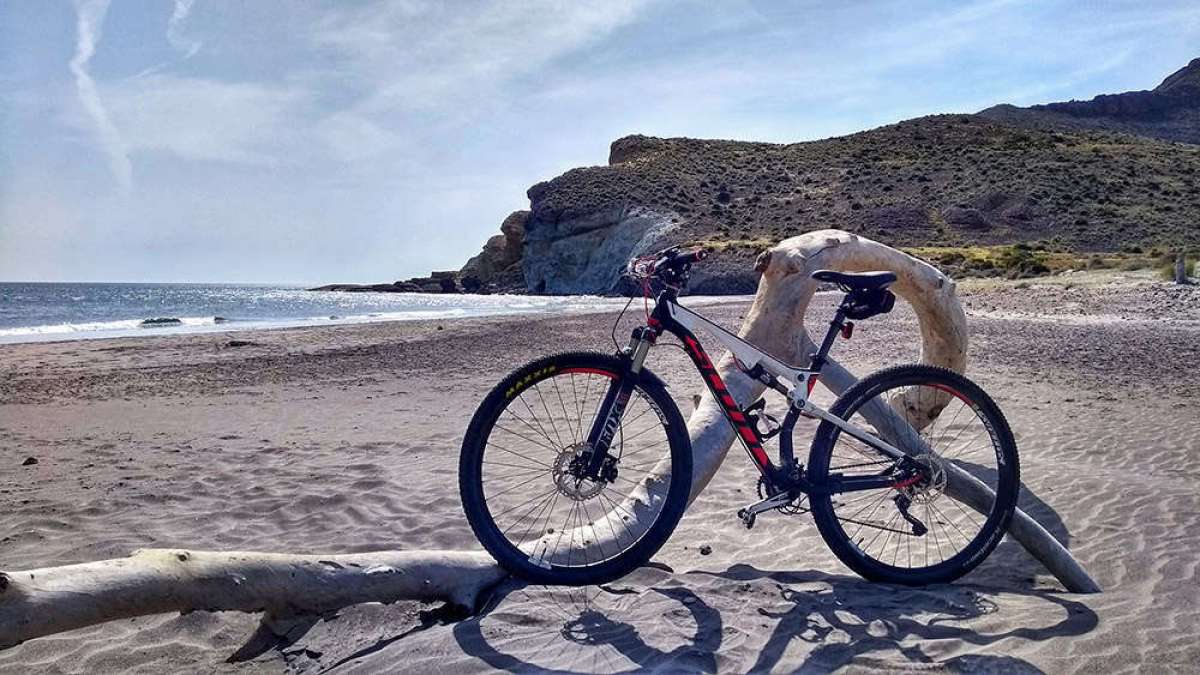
(179,14)
(350,137)
(88,26)
(201,119)
(420,55)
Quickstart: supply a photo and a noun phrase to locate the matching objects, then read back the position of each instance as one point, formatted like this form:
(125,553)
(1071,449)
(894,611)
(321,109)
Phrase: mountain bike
(577,467)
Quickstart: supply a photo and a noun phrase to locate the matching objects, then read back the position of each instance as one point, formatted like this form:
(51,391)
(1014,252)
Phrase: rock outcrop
(436,282)
(498,266)
(587,252)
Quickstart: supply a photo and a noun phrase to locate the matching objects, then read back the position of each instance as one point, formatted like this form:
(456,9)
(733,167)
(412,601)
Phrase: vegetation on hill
(944,180)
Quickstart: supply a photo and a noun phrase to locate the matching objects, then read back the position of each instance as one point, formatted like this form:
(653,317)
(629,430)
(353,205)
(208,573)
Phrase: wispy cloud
(179,14)
(88,25)
(207,119)
(434,64)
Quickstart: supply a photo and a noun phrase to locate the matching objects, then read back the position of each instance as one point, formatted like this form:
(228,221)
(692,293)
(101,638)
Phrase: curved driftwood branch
(776,323)
(287,589)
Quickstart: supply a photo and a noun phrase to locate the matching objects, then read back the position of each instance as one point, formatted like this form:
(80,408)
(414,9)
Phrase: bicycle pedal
(750,513)
(747,518)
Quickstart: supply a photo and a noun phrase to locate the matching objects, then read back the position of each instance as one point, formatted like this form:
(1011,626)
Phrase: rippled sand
(346,439)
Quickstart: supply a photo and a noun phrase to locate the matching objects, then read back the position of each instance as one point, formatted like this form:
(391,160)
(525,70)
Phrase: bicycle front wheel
(525,496)
(936,523)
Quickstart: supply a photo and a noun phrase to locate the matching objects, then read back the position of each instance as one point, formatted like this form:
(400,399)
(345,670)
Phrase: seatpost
(835,327)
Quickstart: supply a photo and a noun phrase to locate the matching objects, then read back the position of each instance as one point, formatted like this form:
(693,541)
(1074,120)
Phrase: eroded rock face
(586,253)
(498,264)
(633,147)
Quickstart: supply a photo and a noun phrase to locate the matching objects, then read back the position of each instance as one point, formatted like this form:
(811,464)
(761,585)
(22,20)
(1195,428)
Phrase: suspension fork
(616,399)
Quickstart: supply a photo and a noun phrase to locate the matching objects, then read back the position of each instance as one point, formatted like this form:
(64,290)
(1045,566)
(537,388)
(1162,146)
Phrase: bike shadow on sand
(596,629)
(816,622)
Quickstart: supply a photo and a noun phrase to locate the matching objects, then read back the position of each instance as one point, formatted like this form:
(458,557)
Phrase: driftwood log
(293,591)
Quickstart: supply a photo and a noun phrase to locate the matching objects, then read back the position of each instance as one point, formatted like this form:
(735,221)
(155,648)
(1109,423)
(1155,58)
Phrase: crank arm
(750,513)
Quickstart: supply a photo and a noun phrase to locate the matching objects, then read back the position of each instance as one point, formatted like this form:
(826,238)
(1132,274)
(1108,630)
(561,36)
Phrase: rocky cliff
(1170,111)
(946,180)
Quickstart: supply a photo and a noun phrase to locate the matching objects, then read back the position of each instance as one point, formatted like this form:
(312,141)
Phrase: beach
(345,438)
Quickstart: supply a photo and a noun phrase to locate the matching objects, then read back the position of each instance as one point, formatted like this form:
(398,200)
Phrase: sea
(34,312)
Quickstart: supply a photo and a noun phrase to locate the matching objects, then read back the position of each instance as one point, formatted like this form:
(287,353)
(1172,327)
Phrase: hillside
(1170,111)
(946,180)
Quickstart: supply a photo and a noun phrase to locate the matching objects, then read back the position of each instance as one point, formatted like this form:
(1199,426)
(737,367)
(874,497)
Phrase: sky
(376,140)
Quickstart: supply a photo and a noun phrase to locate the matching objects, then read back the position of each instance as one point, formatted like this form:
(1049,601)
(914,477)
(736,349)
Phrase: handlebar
(674,258)
(671,266)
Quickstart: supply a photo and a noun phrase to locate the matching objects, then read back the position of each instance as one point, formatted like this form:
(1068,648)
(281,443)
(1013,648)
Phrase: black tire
(654,528)
(1004,480)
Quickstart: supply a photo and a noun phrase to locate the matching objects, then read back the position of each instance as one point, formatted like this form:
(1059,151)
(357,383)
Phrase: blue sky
(211,140)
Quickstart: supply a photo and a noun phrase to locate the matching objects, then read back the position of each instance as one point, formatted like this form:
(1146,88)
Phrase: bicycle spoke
(550,417)
(510,509)
(514,452)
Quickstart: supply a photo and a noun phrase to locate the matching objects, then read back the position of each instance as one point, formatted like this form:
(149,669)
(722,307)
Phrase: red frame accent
(729,406)
(952,392)
(593,371)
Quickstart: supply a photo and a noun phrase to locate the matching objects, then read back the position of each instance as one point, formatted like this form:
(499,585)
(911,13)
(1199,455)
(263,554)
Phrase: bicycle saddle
(856,280)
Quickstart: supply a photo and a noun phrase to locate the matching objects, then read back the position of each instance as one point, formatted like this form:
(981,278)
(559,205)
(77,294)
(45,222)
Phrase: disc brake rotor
(565,480)
(932,487)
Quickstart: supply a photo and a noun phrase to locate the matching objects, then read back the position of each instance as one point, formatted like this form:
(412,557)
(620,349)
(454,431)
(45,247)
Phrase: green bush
(1020,262)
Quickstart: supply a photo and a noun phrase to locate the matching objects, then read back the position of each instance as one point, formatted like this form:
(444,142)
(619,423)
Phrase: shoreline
(522,305)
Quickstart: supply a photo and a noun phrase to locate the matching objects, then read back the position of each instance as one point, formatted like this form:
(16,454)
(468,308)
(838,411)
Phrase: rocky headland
(1078,180)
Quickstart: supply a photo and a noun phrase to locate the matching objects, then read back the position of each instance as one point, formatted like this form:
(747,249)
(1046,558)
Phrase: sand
(346,438)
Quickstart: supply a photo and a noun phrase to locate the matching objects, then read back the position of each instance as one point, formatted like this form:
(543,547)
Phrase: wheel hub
(568,475)
(932,484)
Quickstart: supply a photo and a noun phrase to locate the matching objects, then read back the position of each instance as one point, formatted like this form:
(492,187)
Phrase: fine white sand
(346,439)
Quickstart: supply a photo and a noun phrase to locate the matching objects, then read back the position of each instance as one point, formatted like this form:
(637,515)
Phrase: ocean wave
(120,325)
(261,309)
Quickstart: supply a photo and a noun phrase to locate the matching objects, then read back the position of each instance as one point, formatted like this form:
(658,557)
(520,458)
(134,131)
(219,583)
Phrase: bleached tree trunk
(775,323)
(285,588)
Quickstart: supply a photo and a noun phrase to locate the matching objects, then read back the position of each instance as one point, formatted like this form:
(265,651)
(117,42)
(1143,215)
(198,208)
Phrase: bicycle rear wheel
(913,531)
(521,485)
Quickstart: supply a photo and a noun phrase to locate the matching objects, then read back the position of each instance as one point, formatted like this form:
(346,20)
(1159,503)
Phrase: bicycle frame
(793,382)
